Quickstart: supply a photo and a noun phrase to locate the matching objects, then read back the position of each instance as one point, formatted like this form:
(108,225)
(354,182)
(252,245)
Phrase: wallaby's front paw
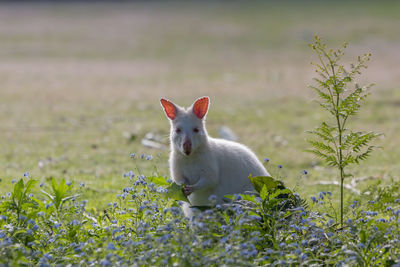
(187,189)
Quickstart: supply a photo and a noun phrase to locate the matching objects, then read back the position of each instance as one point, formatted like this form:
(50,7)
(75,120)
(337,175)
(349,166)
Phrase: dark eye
(196,130)
(178,130)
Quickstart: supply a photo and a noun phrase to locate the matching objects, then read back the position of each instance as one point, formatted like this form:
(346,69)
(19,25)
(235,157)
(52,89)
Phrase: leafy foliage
(173,190)
(143,228)
(333,142)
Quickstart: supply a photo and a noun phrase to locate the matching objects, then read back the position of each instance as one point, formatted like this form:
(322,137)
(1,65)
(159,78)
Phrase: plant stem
(341,196)
(340,130)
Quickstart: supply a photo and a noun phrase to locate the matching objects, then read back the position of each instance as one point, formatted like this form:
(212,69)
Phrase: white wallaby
(205,165)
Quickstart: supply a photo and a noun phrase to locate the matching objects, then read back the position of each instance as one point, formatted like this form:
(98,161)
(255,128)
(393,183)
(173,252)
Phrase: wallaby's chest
(190,170)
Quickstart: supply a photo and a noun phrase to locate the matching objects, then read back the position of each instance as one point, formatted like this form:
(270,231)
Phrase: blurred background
(80,84)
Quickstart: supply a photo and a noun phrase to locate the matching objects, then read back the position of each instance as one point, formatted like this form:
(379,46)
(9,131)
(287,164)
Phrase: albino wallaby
(205,165)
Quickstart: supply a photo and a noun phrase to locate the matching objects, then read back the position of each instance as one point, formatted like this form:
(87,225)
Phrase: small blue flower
(349,221)
(111,246)
(26,174)
(266,160)
(206,243)
(212,198)
(282,244)
(314,199)
(13,181)
(303,257)
(371,213)
(35,227)
(142,156)
(41,184)
(305,172)
(29,232)
(2,217)
(82,184)
(68,183)
(360,245)
(280,166)
(105,262)
(389,208)
(253,253)
(133,155)
(329,193)
(149,157)
(75,222)
(238,197)
(397,200)
(40,214)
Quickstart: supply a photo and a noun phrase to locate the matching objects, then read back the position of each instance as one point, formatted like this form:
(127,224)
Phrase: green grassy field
(77,79)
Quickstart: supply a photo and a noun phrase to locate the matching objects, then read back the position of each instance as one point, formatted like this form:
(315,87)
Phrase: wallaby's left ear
(200,106)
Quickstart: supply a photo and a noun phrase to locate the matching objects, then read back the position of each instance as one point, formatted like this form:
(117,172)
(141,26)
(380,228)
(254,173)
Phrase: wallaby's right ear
(169,108)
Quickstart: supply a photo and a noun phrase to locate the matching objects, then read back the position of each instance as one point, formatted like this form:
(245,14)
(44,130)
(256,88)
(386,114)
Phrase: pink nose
(187,147)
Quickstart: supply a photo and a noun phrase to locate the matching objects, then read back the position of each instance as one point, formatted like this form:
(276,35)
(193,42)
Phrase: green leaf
(281,192)
(270,183)
(60,191)
(175,192)
(264,192)
(29,186)
(18,190)
(158,181)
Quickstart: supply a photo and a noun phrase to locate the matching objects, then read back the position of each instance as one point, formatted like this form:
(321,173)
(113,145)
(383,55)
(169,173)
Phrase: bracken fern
(337,145)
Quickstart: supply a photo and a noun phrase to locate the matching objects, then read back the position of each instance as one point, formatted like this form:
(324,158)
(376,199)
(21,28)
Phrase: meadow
(80,85)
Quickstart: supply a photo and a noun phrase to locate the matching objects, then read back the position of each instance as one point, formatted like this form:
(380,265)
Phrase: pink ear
(200,107)
(169,108)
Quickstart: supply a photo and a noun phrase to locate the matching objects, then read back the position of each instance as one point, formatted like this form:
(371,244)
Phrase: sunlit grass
(75,78)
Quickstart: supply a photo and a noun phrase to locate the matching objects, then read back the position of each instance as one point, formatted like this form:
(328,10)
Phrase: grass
(75,78)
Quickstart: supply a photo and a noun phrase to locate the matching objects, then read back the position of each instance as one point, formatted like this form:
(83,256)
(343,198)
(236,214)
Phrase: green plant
(337,145)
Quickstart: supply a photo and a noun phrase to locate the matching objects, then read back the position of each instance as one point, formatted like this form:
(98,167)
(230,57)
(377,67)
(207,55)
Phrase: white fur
(215,166)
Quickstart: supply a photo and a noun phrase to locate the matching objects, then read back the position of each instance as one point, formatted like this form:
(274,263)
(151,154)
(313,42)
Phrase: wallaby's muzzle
(187,147)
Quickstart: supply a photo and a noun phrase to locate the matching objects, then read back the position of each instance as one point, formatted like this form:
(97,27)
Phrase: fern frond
(326,97)
(330,160)
(364,156)
(362,140)
(322,147)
